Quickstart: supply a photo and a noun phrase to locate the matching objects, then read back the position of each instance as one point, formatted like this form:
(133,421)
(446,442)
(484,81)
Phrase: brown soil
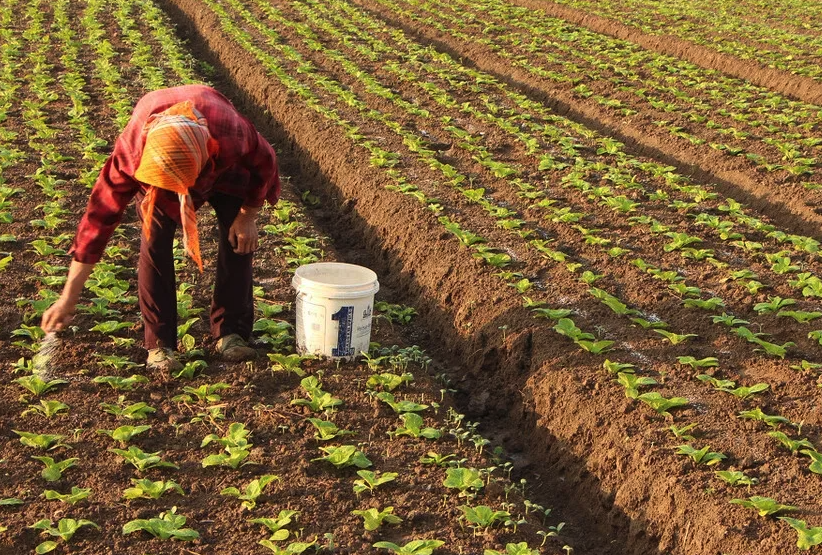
(604,463)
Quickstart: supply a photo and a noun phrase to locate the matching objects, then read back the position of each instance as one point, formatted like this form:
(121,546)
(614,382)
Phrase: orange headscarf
(178,145)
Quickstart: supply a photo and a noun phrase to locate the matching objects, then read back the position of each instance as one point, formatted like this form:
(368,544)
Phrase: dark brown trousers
(232,305)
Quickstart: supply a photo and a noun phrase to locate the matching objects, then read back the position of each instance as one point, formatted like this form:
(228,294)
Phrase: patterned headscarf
(178,145)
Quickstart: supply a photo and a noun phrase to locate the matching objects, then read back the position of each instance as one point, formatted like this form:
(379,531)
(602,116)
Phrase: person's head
(177,147)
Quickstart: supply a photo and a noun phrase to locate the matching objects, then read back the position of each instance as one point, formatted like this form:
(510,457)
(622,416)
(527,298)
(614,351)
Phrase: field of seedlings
(596,228)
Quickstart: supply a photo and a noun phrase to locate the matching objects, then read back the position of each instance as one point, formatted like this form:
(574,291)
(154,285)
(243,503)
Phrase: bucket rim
(369,285)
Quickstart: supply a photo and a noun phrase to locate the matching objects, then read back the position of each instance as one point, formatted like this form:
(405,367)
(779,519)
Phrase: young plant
(142,460)
(736,478)
(675,338)
(124,434)
(371,480)
(415,547)
(76,495)
(344,456)
(399,406)
(252,491)
(632,383)
(701,456)
(133,411)
(169,525)
(520,548)
(706,362)
(682,433)
(41,441)
(660,404)
(388,381)
(147,489)
(482,516)
(374,518)
(413,427)
(807,537)
(327,430)
(436,459)
(318,400)
(65,530)
(120,383)
(794,445)
(771,420)
(53,470)
(287,363)
(46,409)
(466,480)
(276,526)
(290,549)
(765,506)
(816,460)
(205,394)
(37,385)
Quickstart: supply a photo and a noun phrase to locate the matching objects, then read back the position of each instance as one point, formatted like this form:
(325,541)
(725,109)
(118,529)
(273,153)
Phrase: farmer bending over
(183,147)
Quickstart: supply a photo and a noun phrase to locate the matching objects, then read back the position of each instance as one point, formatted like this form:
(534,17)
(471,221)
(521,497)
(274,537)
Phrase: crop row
(779,42)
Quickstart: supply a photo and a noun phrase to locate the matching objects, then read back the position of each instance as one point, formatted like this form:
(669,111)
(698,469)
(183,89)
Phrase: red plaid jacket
(245,167)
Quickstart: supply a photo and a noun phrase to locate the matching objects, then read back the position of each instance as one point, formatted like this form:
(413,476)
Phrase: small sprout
(277,525)
(415,547)
(147,489)
(252,491)
(765,506)
(374,518)
(344,456)
(53,470)
(76,495)
(124,434)
(142,460)
(736,478)
(807,537)
(466,480)
(169,525)
(701,456)
(65,530)
(371,480)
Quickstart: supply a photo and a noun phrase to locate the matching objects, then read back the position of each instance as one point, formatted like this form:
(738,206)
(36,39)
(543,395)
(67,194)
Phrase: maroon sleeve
(261,162)
(112,192)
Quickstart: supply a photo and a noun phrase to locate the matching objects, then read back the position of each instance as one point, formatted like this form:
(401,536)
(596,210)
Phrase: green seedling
(765,506)
(551,313)
(771,420)
(685,290)
(276,526)
(371,480)
(234,457)
(144,488)
(679,241)
(413,427)
(344,456)
(662,405)
(190,369)
(569,329)
(399,406)
(632,383)
(327,430)
(595,347)
(141,460)
(801,316)
(38,386)
(714,303)
(682,433)
(816,460)
(134,411)
(65,530)
(675,338)
(119,363)
(252,491)
(395,313)
(47,409)
(53,470)
(236,436)
(76,495)
(10,502)
(701,456)
(745,392)
(124,434)
(774,304)
(717,383)
(808,537)
(205,394)
(287,363)
(318,400)
(415,547)
(120,383)
(706,362)
(270,310)
(41,441)
(388,381)
(482,516)
(649,324)
(374,518)
(466,480)
(113,326)
(290,549)
(806,366)
(520,548)
(169,525)
(612,302)
(736,478)
(619,367)
(436,459)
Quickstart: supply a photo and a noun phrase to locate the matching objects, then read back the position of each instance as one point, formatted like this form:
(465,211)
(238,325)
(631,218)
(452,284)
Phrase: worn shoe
(233,348)
(163,360)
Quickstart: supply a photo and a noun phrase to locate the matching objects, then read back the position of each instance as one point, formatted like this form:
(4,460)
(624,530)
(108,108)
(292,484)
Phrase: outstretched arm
(60,313)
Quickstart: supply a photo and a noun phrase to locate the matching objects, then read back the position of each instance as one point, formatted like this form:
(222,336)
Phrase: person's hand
(243,234)
(58,316)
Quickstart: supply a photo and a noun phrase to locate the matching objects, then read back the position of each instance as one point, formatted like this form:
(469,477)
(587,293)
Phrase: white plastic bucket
(335,303)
